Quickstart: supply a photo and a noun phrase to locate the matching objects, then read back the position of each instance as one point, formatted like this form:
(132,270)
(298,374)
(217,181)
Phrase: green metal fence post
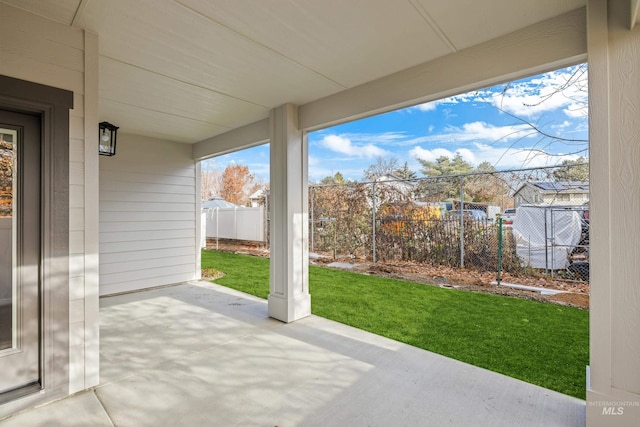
(499,219)
(313,218)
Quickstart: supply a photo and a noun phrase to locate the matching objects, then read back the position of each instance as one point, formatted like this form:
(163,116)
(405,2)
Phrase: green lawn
(544,344)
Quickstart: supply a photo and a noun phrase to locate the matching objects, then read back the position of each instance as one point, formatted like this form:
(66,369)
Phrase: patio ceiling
(188,70)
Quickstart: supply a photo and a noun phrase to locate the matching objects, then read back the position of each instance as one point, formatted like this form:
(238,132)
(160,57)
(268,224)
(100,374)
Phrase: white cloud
(451,100)
(316,173)
(560,126)
(427,106)
(432,155)
(260,170)
(502,158)
(474,132)
(529,98)
(576,111)
(484,131)
(548,92)
(467,155)
(519,157)
(374,138)
(342,145)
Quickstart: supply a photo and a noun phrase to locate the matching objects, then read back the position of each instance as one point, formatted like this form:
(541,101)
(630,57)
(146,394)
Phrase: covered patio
(198,354)
(186,80)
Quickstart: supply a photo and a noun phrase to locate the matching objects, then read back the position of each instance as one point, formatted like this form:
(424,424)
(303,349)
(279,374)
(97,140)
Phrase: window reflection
(7,191)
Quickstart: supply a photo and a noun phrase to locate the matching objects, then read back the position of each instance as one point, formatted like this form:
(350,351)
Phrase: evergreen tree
(574,170)
(338,178)
(404,172)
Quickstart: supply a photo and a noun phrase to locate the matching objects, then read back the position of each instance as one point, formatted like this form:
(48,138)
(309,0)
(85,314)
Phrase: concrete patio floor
(198,354)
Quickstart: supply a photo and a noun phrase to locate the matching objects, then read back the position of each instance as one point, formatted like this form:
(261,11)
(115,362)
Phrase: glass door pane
(20,218)
(8,159)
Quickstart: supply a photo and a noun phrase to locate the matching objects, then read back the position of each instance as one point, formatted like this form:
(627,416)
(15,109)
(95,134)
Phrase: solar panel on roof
(562,186)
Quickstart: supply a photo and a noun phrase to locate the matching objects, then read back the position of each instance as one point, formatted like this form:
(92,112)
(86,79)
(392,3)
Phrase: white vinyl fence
(238,223)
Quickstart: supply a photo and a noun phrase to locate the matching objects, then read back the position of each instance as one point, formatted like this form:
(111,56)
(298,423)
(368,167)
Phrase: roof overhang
(191,71)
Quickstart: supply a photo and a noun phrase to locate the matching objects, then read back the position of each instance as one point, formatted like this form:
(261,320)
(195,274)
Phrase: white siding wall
(525,195)
(57,55)
(149,215)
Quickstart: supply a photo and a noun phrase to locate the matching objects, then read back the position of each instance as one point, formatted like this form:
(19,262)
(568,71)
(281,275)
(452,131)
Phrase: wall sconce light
(107,141)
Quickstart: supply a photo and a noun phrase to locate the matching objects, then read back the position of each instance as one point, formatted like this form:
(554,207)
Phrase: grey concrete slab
(145,329)
(344,265)
(80,410)
(202,355)
(245,382)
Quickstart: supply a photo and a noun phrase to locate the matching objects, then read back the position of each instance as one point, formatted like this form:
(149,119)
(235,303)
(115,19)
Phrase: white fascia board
(247,136)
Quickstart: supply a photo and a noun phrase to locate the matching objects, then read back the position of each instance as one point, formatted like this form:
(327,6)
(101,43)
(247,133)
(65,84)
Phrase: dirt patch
(239,246)
(575,294)
(571,299)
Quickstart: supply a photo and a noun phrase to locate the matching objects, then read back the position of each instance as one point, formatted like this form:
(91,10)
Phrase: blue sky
(484,125)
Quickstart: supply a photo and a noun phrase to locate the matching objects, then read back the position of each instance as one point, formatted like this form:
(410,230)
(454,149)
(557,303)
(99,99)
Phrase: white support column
(289,298)
(613,391)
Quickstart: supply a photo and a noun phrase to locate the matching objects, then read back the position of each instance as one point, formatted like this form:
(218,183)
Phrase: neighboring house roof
(555,187)
(392,177)
(396,182)
(257,195)
(217,202)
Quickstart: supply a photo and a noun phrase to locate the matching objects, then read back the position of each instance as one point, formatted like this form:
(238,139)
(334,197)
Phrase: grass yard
(544,344)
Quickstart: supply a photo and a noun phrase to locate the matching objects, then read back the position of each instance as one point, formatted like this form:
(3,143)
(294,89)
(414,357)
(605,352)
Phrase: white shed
(546,235)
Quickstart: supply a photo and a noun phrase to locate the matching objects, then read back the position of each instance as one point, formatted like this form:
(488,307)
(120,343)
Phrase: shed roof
(218,202)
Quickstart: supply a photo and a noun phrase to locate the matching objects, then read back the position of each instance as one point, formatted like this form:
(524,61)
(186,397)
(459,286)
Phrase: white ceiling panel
(155,92)
(351,42)
(141,121)
(61,11)
(470,22)
(165,38)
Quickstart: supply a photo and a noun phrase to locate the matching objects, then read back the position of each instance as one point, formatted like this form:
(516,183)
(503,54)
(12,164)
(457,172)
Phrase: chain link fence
(527,222)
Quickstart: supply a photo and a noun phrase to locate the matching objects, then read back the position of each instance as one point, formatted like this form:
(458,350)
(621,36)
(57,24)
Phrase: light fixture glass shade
(107,139)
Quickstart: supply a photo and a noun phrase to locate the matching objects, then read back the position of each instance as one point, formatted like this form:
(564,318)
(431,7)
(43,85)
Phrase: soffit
(186,70)
(62,11)
(471,22)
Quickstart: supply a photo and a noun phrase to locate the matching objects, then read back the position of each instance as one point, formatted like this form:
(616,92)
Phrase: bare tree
(574,89)
(382,166)
(210,181)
